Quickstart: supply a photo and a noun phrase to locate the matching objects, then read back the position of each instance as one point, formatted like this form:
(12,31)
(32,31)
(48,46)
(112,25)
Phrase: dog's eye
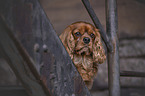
(92,35)
(78,34)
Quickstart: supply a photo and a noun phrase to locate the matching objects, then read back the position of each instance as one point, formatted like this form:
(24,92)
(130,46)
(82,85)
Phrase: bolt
(45,48)
(36,47)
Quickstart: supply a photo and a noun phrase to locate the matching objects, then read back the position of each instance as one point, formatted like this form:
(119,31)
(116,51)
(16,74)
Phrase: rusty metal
(97,24)
(55,68)
(113,58)
(132,74)
(20,61)
(22,25)
(58,71)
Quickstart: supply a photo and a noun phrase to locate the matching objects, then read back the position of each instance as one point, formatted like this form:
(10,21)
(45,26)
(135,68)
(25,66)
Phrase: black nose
(86,40)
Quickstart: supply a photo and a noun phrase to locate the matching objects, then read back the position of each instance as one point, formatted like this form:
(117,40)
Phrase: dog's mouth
(83,51)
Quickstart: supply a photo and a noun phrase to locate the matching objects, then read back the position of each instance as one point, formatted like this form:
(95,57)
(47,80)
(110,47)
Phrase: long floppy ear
(98,51)
(68,40)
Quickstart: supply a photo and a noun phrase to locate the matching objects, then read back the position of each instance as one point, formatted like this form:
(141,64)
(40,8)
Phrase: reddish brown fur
(86,57)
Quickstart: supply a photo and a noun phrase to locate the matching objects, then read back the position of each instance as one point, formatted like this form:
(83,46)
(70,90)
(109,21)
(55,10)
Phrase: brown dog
(83,43)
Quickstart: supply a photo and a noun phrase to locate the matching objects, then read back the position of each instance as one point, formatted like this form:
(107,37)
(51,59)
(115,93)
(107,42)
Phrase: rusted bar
(132,74)
(97,24)
(113,58)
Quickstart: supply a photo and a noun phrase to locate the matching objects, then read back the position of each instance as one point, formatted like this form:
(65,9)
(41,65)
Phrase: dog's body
(83,43)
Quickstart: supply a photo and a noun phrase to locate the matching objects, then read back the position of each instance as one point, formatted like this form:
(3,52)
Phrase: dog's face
(83,43)
(84,36)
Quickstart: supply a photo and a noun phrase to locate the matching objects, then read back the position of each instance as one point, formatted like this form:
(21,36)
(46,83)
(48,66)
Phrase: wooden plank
(133,48)
(132,74)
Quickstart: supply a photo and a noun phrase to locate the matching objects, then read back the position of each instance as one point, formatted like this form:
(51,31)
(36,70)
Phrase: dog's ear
(68,40)
(98,51)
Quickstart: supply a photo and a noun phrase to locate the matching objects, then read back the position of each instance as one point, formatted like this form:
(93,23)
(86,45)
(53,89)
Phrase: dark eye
(78,34)
(92,35)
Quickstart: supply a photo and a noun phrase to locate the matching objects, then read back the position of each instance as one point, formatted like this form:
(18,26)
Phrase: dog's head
(82,38)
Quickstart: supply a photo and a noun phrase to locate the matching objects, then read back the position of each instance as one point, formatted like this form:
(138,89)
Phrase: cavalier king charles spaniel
(83,43)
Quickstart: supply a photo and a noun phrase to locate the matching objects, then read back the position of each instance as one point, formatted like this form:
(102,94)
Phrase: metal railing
(111,42)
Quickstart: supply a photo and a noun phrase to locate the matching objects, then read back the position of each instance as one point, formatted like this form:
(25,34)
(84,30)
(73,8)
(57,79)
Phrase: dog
(83,43)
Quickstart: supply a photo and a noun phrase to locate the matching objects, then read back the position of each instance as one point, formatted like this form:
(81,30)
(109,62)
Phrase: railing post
(113,57)
(97,24)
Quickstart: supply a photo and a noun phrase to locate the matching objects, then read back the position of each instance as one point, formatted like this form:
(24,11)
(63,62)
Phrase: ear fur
(98,50)
(68,40)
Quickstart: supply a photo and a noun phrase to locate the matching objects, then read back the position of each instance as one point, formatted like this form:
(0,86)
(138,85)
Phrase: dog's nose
(86,40)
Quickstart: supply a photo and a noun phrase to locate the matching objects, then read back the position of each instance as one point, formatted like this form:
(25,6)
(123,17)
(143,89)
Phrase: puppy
(83,43)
